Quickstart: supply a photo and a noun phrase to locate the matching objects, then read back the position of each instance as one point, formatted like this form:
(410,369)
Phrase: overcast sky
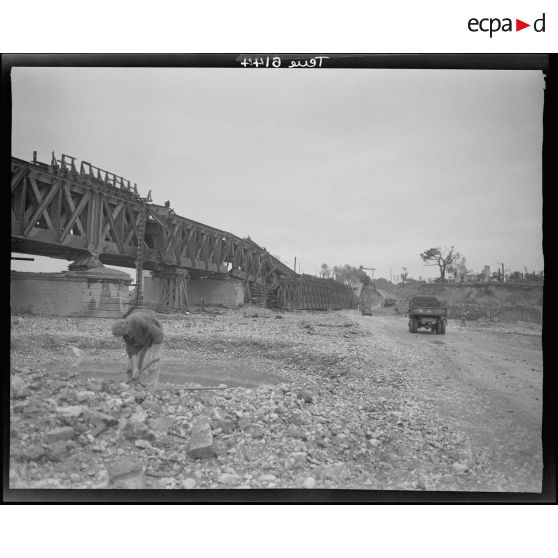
(359,167)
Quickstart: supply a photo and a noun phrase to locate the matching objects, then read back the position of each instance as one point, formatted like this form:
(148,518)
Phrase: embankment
(474,301)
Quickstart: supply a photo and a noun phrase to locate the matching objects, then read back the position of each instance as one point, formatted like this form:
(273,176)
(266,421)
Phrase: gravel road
(305,400)
(486,385)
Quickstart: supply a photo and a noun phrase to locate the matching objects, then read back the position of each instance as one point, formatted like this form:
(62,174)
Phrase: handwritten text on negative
(276,62)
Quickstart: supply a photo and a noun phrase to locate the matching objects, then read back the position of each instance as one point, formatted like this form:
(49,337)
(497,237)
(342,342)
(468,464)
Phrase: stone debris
(305,396)
(33,453)
(201,440)
(267,478)
(350,414)
(299,457)
(96,417)
(257,431)
(84,395)
(57,450)
(229,478)
(73,411)
(296,418)
(460,467)
(18,387)
(160,424)
(226,426)
(152,406)
(57,434)
(188,483)
(127,473)
(310,482)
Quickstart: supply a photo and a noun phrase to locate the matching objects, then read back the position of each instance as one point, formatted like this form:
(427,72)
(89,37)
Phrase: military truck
(427,312)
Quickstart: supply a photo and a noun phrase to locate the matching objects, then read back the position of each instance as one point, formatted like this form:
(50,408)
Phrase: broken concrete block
(160,424)
(152,406)
(97,417)
(33,453)
(57,434)
(57,451)
(201,440)
(18,387)
(299,457)
(124,466)
(84,395)
(127,473)
(137,431)
(229,478)
(73,411)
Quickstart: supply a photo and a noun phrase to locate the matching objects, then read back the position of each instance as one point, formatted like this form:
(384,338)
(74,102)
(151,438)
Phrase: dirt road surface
(486,385)
(306,400)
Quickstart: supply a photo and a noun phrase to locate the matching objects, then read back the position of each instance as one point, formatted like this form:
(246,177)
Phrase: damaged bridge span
(79,212)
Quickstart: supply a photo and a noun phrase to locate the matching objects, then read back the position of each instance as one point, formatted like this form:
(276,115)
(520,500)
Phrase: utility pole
(295,265)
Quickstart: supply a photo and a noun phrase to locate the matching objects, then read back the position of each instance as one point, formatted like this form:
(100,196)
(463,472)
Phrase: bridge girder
(61,212)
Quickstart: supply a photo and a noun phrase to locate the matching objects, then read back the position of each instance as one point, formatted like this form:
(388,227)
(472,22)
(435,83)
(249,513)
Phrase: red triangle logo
(519,25)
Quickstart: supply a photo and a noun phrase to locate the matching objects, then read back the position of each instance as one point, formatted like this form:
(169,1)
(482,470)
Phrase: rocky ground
(258,399)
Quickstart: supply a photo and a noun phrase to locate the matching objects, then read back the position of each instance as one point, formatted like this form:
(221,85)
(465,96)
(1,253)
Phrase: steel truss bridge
(80,212)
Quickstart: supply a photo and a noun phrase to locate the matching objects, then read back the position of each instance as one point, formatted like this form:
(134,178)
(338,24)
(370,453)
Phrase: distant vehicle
(389,302)
(429,313)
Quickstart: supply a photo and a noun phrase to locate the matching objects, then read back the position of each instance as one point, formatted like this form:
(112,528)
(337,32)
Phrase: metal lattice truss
(62,212)
(314,294)
(185,243)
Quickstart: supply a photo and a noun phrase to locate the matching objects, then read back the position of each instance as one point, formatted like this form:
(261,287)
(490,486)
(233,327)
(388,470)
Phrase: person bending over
(143,335)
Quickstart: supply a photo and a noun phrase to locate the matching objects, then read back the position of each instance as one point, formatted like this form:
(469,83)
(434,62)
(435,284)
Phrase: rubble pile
(345,414)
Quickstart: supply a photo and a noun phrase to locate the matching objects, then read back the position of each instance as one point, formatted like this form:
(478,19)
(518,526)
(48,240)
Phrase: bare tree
(325,272)
(440,257)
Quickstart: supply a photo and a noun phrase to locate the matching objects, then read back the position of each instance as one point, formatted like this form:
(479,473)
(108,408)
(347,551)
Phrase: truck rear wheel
(412,326)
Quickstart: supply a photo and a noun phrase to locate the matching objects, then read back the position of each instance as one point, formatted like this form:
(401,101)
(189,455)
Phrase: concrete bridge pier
(175,292)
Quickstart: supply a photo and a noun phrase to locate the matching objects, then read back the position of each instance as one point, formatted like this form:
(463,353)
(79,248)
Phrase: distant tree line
(451,265)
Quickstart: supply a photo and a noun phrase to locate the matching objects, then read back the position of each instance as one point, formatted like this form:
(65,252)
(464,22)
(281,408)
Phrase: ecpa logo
(492,25)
